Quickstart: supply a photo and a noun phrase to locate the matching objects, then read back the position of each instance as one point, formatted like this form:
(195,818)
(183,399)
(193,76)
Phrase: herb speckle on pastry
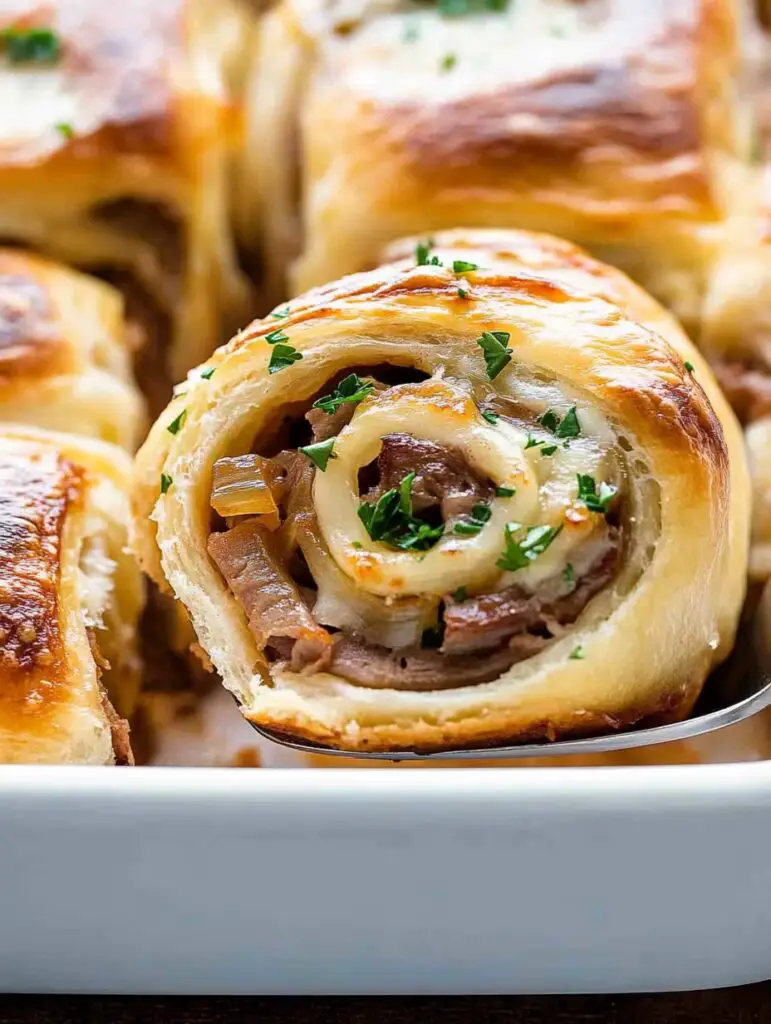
(414,539)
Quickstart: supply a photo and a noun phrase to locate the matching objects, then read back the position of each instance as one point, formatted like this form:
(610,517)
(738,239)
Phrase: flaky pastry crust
(70,597)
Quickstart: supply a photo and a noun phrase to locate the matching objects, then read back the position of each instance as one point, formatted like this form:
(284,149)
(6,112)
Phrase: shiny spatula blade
(740,688)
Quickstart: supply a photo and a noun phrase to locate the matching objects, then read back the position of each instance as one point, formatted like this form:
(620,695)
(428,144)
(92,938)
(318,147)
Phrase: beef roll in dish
(464,498)
(612,123)
(116,133)
(65,352)
(69,600)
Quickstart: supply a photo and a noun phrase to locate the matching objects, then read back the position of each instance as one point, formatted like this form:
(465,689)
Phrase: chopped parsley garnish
(65,130)
(689,367)
(563,428)
(457,8)
(463,267)
(176,424)
(460,594)
(524,548)
(569,573)
(549,449)
(276,336)
(390,520)
(423,256)
(448,62)
(351,389)
(166,482)
(357,544)
(505,492)
(532,442)
(462,293)
(577,654)
(30,45)
(208,374)
(480,514)
(281,314)
(594,499)
(320,453)
(491,417)
(283,356)
(497,354)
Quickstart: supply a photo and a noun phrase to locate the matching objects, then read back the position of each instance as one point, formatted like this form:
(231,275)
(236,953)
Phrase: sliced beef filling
(484,622)
(382,669)
(443,478)
(273,604)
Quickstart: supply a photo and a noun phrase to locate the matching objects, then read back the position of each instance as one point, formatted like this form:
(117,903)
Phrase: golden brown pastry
(69,600)
(464,498)
(65,352)
(613,123)
(116,129)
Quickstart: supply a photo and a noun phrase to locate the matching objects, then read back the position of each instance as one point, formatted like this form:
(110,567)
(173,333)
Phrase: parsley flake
(357,544)
(30,45)
(491,417)
(577,654)
(276,336)
(208,374)
(497,354)
(283,356)
(521,552)
(423,256)
(689,367)
(563,428)
(569,573)
(281,314)
(460,594)
(505,492)
(462,293)
(177,423)
(351,389)
(463,267)
(480,514)
(65,130)
(390,520)
(166,482)
(320,453)
(594,499)
(448,62)
(549,449)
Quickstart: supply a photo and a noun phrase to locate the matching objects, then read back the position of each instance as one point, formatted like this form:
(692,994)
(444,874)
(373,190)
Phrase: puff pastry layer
(612,123)
(114,155)
(70,597)
(474,540)
(65,352)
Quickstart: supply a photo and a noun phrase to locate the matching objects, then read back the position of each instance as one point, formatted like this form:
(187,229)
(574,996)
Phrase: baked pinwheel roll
(70,596)
(116,133)
(65,352)
(485,493)
(612,123)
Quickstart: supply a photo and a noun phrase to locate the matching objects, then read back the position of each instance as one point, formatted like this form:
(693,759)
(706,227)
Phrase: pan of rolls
(402,367)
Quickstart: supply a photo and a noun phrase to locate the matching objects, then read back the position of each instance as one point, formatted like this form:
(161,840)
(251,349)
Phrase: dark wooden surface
(746,1006)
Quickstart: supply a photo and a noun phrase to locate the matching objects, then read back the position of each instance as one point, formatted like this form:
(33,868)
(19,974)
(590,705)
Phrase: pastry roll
(69,600)
(116,133)
(65,352)
(613,123)
(485,493)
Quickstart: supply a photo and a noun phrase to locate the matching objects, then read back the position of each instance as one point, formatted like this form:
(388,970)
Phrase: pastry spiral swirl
(486,492)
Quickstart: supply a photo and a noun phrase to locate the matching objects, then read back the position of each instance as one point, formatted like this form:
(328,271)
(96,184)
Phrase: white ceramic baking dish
(180,880)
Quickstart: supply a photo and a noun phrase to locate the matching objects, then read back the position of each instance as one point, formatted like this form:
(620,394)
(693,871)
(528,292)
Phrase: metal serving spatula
(740,688)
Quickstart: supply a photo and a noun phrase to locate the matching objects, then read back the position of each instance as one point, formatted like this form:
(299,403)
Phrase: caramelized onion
(244,485)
